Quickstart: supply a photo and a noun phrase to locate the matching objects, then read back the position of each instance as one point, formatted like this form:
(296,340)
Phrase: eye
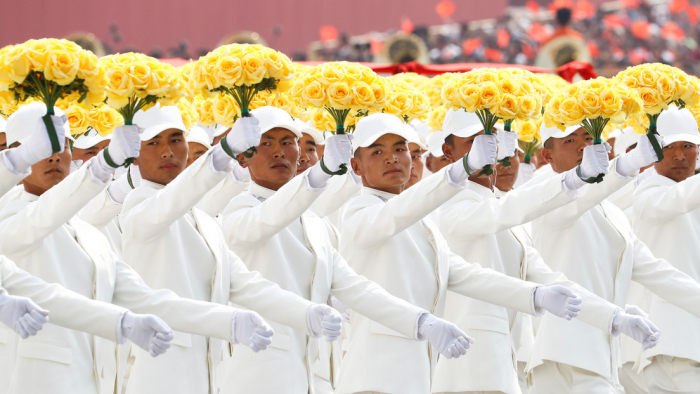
(265,144)
(152,143)
(176,140)
(376,152)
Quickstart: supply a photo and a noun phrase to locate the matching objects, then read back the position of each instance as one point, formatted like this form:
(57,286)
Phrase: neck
(388,189)
(485,181)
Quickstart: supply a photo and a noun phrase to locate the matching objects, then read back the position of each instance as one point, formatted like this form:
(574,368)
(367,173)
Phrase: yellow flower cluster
(417,81)
(695,110)
(205,109)
(406,102)
(282,101)
(9,103)
(102,119)
(554,81)
(598,98)
(233,65)
(659,85)
(190,115)
(437,117)
(225,109)
(505,93)
(528,130)
(134,76)
(434,88)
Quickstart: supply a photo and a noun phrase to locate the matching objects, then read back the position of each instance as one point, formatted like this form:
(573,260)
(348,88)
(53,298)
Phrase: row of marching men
(236,256)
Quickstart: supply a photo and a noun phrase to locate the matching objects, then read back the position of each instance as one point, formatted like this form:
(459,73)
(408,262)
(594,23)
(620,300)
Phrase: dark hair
(564,16)
(549,144)
(450,140)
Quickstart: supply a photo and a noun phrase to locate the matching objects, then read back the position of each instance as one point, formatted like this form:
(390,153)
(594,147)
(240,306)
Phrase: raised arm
(9,175)
(215,201)
(340,189)
(661,204)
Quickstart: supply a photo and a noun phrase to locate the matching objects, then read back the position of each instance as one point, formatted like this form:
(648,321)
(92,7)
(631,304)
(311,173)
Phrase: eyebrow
(177,134)
(416,150)
(400,143)
(311,142)
(375,145)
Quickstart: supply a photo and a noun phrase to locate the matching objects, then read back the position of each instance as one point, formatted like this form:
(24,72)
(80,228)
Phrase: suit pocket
(46,351)
(376,328)
(182,339)
(488,323)
(282,339)
(4,335)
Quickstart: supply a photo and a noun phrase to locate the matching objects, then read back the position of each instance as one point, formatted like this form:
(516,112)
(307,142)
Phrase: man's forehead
(168,133)
(279,133)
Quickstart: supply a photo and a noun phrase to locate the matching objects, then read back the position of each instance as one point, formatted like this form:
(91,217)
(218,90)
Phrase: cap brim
(465,132)
(151,132)
(420,144)
(375,137)
(283,126)
(692,138)
(89,142)
(315,134)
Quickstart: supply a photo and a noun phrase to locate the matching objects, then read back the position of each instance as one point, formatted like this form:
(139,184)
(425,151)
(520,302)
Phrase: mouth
(279,166)
(392,171)
(168,166)
(54,171)
(680,168)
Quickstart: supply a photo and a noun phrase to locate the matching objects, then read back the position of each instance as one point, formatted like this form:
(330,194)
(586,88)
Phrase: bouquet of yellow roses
(190,116)
(529,136)
(434,88)
(405,101)
(49,69)
(103,119)
(436,118)
(494,95)
(658,86)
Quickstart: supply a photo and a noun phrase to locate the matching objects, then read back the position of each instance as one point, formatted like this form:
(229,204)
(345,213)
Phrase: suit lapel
(97,248)
(518,233)
(207,228)
(317,241)
(443,267)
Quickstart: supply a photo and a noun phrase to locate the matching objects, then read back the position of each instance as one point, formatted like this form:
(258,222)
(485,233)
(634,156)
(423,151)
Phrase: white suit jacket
(9,177)
(592,243)
(667,219)
(102,213)
(169,242)
(215,201)
(44,238)
(385,238)
(267,217)
(340,189)
(480,227)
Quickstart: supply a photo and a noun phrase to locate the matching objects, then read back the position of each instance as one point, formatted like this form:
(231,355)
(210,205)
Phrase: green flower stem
(506,127)
(650,133)
(339,116)
(595,127)
(488,120)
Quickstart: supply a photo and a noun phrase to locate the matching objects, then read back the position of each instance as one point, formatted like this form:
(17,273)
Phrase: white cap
(414,137)
(554,132)
(273,117)
(198,135)
(213,131)
(90,139)
(371,127)
(21,124)
(435,141)
(678,125)
(461,123)
(626,139)
(310,130)
(157,119)
(3,124)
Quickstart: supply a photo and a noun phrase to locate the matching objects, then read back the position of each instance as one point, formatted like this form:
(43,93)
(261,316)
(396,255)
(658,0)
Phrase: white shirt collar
(152,185)
(383,195)
(260,191)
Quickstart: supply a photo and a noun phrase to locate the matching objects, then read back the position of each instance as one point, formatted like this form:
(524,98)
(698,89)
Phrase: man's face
(506,176)
(163,157)
(308,156)
(538,160)
(385,165)
(89,153)
(679,161)
(195,151)
(611,154)
(48,173)
(320,149)
(417,165)
(461,146)
(566,153)
(276,161)
(218,139)
(3,142)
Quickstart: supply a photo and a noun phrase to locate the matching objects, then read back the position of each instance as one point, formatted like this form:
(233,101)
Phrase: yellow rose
(530,107)
(489,95)
(437,117)
(380,91)
(571,112)
(571,90)
(691,95)
(38,54)
(611,103)
(420,108)
(140,75)
(450,93)
(104,119)
(597,85)
(507,107)
(651,99)
(330,74)
(322,120)
(159,83)
(259,100)
(352,73)
(314,94)
(205,107)
(486,75)
(398,103)
(339,95)
(96,97)
(118,82)
(509,86)
(666,87)
(62,67)
(362,95)
(17,63)
(77,119)
(550,121)
(88,67)
(278,64)
(589,102)
(527,130)
(225,110)
(228,71)
(253,69)
(648,77)
(469,97)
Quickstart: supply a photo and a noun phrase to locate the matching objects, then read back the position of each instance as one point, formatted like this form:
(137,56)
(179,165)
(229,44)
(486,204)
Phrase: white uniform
(592,243)
(9,177)
(290,246)
(480,227)
(215,201)
(42,235)
(386,238)
(667,218)
(178,247)
(340,189)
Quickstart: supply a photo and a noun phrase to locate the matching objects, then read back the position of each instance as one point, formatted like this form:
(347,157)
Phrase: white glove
(641,156)
(324,320)
(595,162)
(340,307)
(636,327)
(338,151)
(526,171)
(125,144)
(635,310)
(558,300)
(444,336)
(507,141)
(484,152)
(248,328)
(148,332)
(244,134)
(21,314)
(120,188)
(38,146)
(239,173)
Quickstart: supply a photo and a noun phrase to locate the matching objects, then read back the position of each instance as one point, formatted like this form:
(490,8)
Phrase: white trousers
(666,375)
(632,381)
(556,378)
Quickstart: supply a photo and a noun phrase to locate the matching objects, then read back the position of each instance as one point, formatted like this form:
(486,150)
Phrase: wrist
(17,159)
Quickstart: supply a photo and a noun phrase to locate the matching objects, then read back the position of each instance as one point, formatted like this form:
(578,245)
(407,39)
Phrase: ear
(245,161)
(136,162)
(356,166)
(447,151)
(547,155)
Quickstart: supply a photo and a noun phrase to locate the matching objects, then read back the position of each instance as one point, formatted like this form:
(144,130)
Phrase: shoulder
(242,201)
(137,196)
(12,208)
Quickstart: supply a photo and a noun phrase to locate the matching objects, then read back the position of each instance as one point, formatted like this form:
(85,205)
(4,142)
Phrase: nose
(167,152)
(55,158)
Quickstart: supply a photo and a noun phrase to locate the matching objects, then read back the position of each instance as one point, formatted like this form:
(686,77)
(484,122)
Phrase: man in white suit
(41,233)
(290,245)
(386,237)
(591,241)
(667,219)
(176,246)
(480,226)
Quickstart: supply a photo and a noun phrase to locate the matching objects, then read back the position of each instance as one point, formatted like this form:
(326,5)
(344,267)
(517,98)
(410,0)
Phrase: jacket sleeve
(215,201)
(181,314)
(371,300)
(592,196)
(371,226)
(148,219)
(487,285)
(267,219)
(594,310)
(473,219)
(339,191)
(100,210)
(8,177)
(251,291)
(665,280)
(28,227)
(67,309)
(662,204)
